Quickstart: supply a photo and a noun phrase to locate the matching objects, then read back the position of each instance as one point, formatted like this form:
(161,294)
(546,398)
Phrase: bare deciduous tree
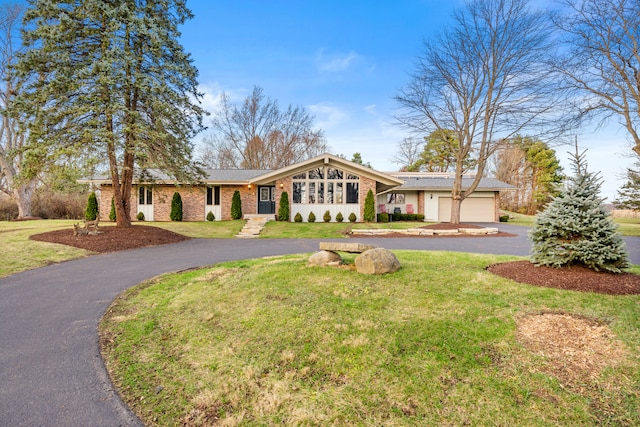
(408,153)
(15,181)
(258,135)
(485,79)
(603,62)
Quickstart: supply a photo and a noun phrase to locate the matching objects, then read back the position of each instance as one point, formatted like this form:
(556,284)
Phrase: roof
(386,180)
(436,183)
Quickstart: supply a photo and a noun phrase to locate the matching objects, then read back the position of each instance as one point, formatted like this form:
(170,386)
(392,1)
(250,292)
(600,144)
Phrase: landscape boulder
(324,258)
(377,261)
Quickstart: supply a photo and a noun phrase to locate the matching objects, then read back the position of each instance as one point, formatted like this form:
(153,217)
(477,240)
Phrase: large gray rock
(323,258)
(377,261)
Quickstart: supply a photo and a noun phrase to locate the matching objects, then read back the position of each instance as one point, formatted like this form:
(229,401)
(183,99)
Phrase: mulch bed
(575,278)
(113,239)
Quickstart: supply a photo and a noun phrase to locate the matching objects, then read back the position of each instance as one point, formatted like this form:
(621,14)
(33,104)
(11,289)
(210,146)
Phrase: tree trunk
(22,196)
(456,204)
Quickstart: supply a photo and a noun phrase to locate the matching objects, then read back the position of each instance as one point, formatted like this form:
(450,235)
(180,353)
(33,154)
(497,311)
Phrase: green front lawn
(275,342)
(19,253)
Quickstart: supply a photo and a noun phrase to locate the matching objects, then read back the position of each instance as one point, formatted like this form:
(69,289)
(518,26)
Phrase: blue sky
(343,61)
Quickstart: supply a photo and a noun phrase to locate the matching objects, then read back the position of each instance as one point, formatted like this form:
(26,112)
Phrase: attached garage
(433,192)
(481,208)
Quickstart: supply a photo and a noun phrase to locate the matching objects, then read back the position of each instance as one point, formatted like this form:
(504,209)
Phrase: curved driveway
(51,372)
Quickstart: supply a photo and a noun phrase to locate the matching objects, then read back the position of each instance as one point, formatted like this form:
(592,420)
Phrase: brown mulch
(113,239)
(575,278)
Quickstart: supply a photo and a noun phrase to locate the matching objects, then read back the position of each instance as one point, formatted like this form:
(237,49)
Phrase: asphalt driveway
(51,372)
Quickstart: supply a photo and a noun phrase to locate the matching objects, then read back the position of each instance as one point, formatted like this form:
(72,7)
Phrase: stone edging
(428,231)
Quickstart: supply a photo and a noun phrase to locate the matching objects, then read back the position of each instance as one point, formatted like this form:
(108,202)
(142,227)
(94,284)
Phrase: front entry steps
(253,227)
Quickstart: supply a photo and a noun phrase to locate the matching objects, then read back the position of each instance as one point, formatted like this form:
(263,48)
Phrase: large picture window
(325,185)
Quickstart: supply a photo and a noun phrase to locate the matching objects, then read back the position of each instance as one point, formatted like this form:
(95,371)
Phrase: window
(145,196)
(397,198)
(352,192)
(213,196)
(325,185)
(265,194)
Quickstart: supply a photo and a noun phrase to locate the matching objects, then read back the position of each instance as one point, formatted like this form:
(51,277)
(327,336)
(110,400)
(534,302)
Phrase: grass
(273,341)
(20,254)
(202,229)
(626,226)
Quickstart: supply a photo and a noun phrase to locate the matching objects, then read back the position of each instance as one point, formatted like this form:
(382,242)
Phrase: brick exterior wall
(104,204)
(366,184)
(247,197)
(421,202)
(193,200)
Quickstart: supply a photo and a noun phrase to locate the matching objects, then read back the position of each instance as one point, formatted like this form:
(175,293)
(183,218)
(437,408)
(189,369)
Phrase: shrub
(352,217)
(339,217)
(327,217)
(298,217)
(91,212)
(8,209)
(283,209)
(140,216)
(383,217)
(312,217)
(112,212)
(407,217)
(504,218)
(176,207)
(236,206)
(48,204)
(369,207)
(210,216)
(577,228)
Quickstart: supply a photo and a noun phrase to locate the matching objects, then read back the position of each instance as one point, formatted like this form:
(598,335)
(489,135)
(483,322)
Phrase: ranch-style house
(323,183)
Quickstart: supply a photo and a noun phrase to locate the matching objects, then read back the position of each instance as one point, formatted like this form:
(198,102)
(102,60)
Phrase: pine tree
(176,207)
(369,207)
(629,194)
(577,229)
(236,205)
(112,76)
(91,213)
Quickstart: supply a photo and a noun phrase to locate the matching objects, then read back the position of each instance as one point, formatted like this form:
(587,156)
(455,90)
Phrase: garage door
(474,209)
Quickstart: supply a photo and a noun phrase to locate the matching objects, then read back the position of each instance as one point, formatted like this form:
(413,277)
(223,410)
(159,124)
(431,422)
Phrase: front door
(266,199)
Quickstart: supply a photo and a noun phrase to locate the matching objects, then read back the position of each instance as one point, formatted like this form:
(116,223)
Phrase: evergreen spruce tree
(576,228)
(283,208)
(369,207)
(236,205)
(176,207)
(91,213)
(629,194)
(111,77)
(112,212)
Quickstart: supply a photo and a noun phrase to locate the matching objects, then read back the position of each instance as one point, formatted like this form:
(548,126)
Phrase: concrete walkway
(51,372)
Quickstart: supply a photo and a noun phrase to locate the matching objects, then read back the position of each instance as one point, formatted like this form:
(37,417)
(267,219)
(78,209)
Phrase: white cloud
(371,109)
(328,116)
(327,62)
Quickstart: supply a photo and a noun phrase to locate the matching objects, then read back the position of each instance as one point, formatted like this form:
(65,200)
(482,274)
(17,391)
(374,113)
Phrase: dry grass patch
(577,349)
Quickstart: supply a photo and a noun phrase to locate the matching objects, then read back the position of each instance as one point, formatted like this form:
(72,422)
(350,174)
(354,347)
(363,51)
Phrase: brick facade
(247,198)
(366,184)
